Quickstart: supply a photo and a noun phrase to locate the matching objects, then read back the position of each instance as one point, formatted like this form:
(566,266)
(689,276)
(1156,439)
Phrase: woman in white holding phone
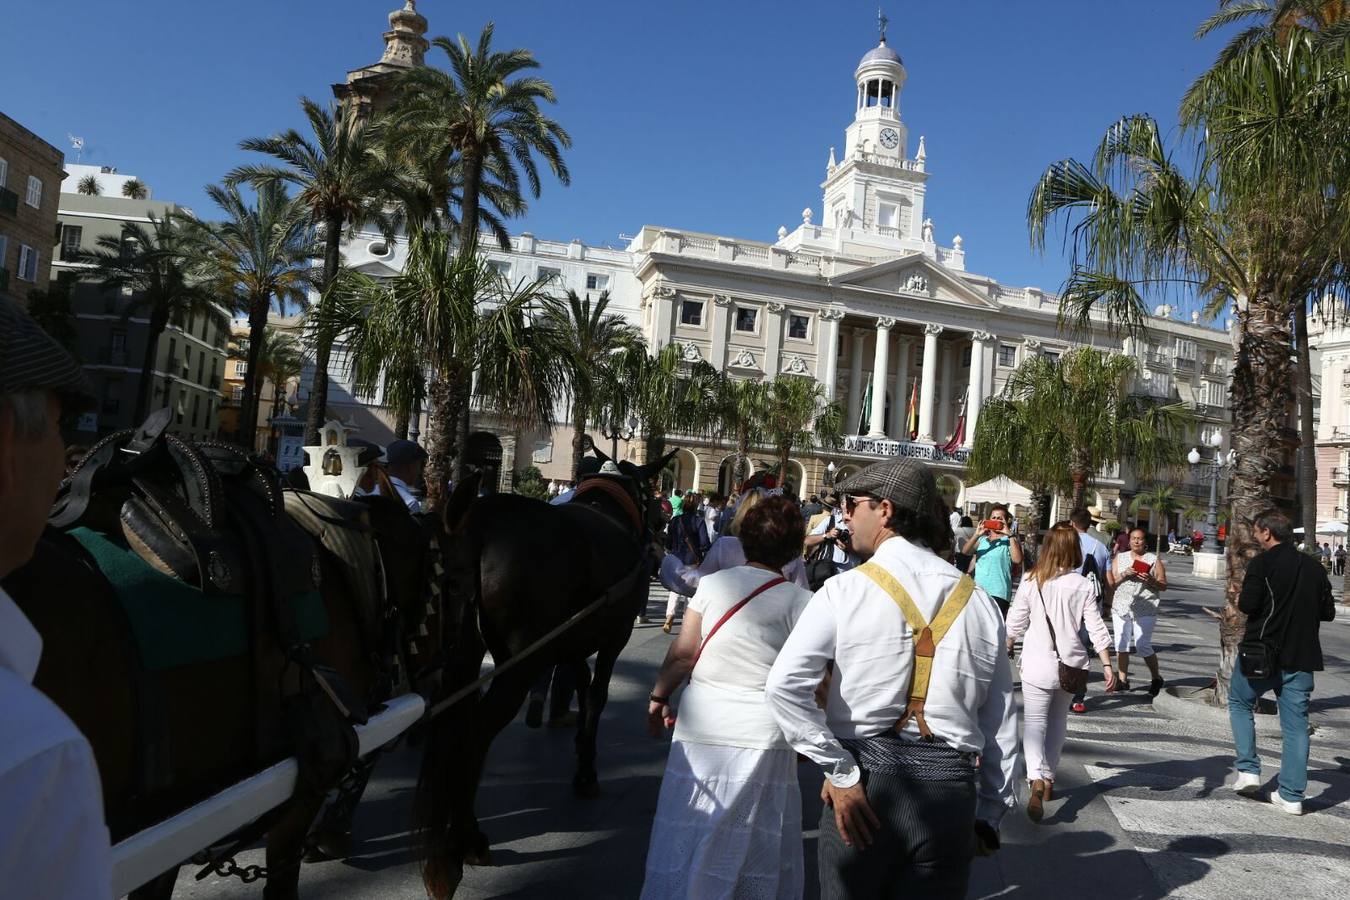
(1138,577)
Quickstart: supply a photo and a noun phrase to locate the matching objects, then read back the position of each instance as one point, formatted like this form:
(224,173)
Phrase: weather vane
(882,22)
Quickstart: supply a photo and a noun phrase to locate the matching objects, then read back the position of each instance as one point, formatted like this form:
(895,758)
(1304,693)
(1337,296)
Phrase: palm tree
(456,315)
(663,393)
(430,193)
(89,186)
(586,340)
(282,358)
(1063,421)
(135,189)
(156,264)
(743,412)
(1162,502)
(343,181)
(260,255)
(798,414)
(482,122)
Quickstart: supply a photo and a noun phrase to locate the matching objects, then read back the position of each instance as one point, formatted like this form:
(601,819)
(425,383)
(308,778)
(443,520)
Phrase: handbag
(1257,656)
(820,564)
(1071,678)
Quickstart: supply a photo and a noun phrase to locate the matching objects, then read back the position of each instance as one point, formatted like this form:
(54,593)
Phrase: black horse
(522,567)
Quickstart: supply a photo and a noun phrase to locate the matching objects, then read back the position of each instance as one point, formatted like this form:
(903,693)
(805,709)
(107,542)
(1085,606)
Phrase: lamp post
(615,433)
(1210,533)
(830,469)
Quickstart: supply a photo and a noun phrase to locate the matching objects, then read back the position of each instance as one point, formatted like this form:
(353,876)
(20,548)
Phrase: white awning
(1187,392)
(998,490)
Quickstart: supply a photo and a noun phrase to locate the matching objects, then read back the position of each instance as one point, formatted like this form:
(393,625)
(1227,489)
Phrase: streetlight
(830,469)
(1214,440)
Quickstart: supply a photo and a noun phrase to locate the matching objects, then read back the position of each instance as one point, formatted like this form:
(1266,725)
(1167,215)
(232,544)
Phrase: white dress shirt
(53,839)
(844,559)
(854,622)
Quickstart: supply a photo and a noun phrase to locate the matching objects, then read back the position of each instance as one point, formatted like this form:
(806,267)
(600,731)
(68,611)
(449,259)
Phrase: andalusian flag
(865,414)
(914,411)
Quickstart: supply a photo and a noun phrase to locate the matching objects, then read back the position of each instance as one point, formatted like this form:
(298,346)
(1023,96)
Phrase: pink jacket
(1069,603)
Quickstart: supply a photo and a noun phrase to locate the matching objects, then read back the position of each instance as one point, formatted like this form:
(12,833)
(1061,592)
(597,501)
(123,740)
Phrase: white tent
(998,490)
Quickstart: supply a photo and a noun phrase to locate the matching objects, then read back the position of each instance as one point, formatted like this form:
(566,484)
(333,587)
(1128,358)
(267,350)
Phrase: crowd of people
(896,678)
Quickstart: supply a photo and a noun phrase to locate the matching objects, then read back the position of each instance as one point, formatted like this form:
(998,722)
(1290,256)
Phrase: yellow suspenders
(926,636)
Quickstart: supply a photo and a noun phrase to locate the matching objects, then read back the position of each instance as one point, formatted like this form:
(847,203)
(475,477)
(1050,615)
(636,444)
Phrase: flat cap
(403,451)
(907,483)
(32,360)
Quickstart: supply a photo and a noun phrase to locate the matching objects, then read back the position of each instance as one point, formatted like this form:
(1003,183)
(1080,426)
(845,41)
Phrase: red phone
(1141,567)
(993,525)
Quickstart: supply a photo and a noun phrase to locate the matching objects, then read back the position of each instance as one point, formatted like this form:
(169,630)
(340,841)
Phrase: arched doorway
(950,489)
(681,473)
(727,480)
(794,480)
(484,454)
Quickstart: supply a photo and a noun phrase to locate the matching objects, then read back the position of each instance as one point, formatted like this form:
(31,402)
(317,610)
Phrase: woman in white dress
(728,822)
(1138,578)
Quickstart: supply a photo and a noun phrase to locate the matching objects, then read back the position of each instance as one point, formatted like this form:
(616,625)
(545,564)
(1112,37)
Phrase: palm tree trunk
(443,407)
(402,417)
(1260,398)
(784,451)
(257,333)
(472,166)
(578,440)
(1079,476)
(1307,447)
(278,392)
(459,446)
(158,322)
(323,348)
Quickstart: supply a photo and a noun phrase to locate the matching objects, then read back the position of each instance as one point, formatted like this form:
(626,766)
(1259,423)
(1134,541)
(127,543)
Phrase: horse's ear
(457,510)
(594,448)
(646,472)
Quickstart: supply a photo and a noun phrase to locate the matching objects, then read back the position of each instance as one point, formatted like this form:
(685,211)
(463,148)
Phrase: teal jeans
(1292,693)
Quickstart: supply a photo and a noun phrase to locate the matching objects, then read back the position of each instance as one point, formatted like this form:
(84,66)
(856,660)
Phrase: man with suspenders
(919,737)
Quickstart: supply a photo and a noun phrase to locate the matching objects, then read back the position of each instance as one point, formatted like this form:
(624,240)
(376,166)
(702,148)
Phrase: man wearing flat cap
(918,739)
(53,839)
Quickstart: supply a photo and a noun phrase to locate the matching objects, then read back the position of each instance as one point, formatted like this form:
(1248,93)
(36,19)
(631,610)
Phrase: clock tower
(876,189)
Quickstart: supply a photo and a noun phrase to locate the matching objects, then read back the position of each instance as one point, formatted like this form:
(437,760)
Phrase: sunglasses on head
(851,501)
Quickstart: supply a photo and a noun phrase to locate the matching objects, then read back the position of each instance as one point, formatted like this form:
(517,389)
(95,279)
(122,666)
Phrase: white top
(1132,596)
(844,559)
(53,840)
(724,701)
(725,553)
(852,621)
(1070,601)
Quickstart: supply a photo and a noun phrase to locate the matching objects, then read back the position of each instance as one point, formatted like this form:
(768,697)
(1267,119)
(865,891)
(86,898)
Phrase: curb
(1186,705)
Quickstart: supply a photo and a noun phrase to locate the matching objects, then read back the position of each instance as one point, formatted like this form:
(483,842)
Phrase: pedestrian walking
(1325,553)
(728,817)
(53,838)
(1137,578)
(1052,604)
(918,735)
(996,550)
(1096,560)
(1340,559)
(1285,596)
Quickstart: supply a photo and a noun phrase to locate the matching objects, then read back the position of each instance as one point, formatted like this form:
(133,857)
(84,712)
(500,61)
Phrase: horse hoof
(478,857)
(326,845)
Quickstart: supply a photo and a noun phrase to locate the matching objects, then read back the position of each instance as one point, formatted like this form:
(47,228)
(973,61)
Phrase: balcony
(1340,476)
(9,201)
(1158,360)
(1217,367)
(112,356)
(1182,364)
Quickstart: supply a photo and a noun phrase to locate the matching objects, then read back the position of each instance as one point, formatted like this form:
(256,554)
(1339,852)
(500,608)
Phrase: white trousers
(1045,717)
(674,604)
(1134,634)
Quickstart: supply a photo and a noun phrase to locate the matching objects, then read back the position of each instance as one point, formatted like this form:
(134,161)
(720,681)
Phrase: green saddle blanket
(173,623)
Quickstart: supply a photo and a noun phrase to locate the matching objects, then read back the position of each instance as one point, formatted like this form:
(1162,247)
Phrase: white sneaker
(1246,783)
(1283,805)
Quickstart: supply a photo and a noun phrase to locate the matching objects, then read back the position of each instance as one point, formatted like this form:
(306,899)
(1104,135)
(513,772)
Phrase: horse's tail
(449,737)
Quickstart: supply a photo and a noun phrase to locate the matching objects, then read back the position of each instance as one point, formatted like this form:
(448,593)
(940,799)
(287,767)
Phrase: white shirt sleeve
(795,572)
(791,690)
(53,840)
(998,723)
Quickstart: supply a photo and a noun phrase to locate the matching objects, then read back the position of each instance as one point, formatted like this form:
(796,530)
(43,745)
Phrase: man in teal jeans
(1286,595)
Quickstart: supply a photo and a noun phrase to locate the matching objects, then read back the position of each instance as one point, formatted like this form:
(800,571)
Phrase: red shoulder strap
(772,582)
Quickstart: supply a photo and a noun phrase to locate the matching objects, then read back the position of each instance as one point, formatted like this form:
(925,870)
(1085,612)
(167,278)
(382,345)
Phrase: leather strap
(771,583)
(616,491)
(926,637)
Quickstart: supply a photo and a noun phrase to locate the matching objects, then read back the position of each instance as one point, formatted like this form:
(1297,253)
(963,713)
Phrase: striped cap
(30,359)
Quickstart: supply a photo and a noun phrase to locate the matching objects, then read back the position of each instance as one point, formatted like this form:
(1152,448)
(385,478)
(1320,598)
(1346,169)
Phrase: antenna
(76,144)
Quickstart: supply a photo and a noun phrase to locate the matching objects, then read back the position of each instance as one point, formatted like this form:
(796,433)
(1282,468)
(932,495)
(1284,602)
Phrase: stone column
(855,380)
(827,360)
(663,314)
(900,393)
(720,315)
(773,324)
(945,418)
(975,399)
(926,392)
(877,427)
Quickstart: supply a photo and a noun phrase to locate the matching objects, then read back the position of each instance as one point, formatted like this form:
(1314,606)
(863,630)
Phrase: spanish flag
(914,411)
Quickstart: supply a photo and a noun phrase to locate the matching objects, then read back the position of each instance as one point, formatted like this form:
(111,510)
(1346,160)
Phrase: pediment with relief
(915,275)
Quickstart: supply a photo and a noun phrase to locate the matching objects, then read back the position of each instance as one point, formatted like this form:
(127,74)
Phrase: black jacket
(1302,599)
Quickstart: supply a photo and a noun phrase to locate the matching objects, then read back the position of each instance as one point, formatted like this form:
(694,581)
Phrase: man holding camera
(829,549)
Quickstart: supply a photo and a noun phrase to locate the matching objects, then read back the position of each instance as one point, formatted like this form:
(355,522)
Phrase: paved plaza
(1140,811)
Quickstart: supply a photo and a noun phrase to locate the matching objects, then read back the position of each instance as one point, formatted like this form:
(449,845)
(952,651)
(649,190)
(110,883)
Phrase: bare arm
(1015,549)
(1157,576)
(970,544)
(679,662)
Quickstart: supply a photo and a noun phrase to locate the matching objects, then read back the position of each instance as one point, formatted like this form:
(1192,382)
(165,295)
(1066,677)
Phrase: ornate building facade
(866,300)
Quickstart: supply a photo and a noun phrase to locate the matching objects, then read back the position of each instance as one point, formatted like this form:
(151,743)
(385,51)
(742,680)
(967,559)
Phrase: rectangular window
(746,318)
(173,355)
(4,171)
(1052,355)
(1007,355)
(549,274)
(237,394)
(196,410)
(118,341)
(240,368)
(1185,349)
(596,282)
(691,312)
(888,215)
(34,198)
(4,248)
(201,367)
(28,263)
(70,240)
(799,326)
(965,357)
(501,266)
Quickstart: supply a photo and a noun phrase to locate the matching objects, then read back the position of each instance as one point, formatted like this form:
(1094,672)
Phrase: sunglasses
(851,501)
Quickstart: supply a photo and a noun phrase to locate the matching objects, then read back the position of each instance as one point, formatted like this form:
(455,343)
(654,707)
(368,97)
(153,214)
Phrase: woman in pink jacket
(1053,596)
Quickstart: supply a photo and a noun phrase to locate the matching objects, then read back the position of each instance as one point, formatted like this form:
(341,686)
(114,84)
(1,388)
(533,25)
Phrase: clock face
(889,138)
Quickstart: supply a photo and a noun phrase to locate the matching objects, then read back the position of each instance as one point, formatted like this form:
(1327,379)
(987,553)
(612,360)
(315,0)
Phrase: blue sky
(714,116)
